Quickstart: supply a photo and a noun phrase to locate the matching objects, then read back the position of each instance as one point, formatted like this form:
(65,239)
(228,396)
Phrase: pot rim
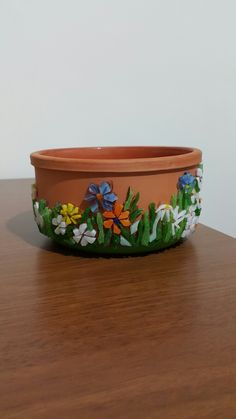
(174,158)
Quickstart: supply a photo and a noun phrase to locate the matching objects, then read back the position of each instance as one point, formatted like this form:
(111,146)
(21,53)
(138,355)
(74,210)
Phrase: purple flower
(100,194)
(186,181)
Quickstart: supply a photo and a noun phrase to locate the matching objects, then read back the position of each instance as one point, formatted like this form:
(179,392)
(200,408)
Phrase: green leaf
(181,229)
(134,202)
(140,231)
(186,201)
(159,232)
(152,214)
(107,237)
(100,228)
(47,222)
(180,200)
(115,240)
(173,201)
(126,234)
(42,205)
(135,214)
(167,232)
(146,230)
(85,215)
(196,187)
(58,206)
(128,199)
(89,224)
(198,212)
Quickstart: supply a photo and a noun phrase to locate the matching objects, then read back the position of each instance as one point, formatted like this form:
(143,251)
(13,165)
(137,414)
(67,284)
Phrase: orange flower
(116,218)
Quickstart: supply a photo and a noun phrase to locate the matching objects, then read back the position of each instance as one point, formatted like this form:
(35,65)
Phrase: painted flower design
(164,210)
(196,202)
(199,177)
(60,225)
(178,217)
(84,236)
(186,181)
(192,221)
(100,195)
(70,213)
(116,218)
(38,217)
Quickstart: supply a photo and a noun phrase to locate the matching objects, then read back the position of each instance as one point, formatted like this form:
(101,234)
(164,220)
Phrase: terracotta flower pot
(117,199)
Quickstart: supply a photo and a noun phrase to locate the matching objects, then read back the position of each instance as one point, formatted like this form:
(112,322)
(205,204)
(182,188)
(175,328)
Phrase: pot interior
(116,152)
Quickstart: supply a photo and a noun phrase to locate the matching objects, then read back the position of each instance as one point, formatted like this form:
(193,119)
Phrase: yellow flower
(70,213)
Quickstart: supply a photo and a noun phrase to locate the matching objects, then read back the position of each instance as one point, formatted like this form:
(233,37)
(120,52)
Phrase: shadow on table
(24,226)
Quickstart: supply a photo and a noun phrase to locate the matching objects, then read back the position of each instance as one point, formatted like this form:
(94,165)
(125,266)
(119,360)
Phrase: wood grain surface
(138,337)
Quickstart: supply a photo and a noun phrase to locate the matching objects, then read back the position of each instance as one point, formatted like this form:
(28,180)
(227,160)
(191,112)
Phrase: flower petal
(74,218)
(108,223)
(110,197)
(125,223)
(70,207)
(104,188)
(93,188)
(82,228)
(94,206)
(117,210)
(91,233)
(106,205)
(90,239)
(182,214)
(57,230)
(161,207)
(67,220)
(84,241)
(54,221)
(124,215)
(76,232)
(77,238)
(116,229)
(109,214)
(89,197)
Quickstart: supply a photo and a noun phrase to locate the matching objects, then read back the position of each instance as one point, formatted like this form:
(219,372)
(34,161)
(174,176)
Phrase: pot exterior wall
(65,186)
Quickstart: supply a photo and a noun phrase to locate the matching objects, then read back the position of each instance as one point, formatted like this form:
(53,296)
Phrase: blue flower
(100,195)
(186,181)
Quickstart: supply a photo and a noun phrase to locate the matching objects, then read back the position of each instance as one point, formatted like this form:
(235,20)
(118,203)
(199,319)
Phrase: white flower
(192,221)
(178,218)
(199,176)
(164,210)
(199,172)
(61,225)
(168,211)
(84,236)
(196,202)
(38,217)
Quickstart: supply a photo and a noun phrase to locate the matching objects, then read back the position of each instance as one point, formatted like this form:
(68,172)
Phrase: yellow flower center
(99,196)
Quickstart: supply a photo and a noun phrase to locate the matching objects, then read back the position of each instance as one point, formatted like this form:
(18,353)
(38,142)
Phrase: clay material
(64,174)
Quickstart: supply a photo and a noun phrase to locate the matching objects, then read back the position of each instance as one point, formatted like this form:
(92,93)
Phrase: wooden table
(137,337)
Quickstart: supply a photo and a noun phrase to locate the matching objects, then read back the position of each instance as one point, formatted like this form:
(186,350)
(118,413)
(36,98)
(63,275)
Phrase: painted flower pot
(117,200)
